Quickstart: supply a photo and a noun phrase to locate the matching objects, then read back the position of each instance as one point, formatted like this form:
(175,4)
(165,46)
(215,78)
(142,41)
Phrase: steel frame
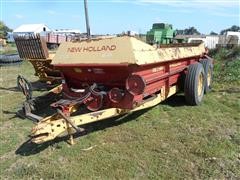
(54,126)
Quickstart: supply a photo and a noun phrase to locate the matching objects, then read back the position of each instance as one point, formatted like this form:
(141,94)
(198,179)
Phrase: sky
(116,16)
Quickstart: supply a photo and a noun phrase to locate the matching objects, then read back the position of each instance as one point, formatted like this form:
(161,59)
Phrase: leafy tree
(4,29)
(189,31)
(213,33)
(233,28)
(180,32)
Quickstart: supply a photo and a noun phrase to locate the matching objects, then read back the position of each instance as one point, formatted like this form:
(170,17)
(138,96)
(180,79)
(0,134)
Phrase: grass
(170,141)
(9,49)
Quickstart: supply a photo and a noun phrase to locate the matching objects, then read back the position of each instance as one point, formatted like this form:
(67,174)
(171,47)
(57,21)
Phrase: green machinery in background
(161,34)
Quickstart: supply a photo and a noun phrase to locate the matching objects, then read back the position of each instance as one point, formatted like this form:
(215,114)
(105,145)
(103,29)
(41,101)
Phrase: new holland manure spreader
(104,78)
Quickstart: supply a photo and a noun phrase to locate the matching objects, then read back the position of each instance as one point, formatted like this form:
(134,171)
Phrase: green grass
(9,49)
(227,66)
(170,141)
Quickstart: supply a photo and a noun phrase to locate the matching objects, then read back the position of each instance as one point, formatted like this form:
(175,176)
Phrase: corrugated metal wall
(211,41)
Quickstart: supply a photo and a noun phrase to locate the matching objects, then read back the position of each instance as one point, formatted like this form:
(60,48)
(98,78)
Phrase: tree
(213,33)
(180,32)
(192,31)
(4,30)
(233,28)
(189,31)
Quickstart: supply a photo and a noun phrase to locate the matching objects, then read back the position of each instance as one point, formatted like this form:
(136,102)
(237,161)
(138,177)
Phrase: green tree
(213,33)
(233,28)
(4,29)
(189,31)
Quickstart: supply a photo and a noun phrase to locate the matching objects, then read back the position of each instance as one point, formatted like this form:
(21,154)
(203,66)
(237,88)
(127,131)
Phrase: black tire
(10,59)
(194,84)
(208,69)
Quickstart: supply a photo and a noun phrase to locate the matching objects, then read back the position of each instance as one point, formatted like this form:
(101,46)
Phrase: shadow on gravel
(28,148)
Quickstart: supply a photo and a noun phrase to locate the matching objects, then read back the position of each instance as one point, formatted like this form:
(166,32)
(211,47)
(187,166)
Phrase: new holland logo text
(91,49)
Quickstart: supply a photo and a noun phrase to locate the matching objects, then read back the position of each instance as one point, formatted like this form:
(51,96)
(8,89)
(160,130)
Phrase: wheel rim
(209,77)
(200,84)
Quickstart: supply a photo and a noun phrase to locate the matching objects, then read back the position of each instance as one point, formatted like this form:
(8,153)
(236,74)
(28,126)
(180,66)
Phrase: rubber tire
(207,64)
(191,84)
(8,59)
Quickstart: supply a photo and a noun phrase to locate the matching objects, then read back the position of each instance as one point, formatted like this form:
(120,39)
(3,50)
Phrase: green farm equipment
(160,34)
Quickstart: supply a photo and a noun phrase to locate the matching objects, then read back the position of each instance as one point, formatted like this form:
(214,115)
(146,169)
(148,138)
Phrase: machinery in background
(161,34)
(33,48)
